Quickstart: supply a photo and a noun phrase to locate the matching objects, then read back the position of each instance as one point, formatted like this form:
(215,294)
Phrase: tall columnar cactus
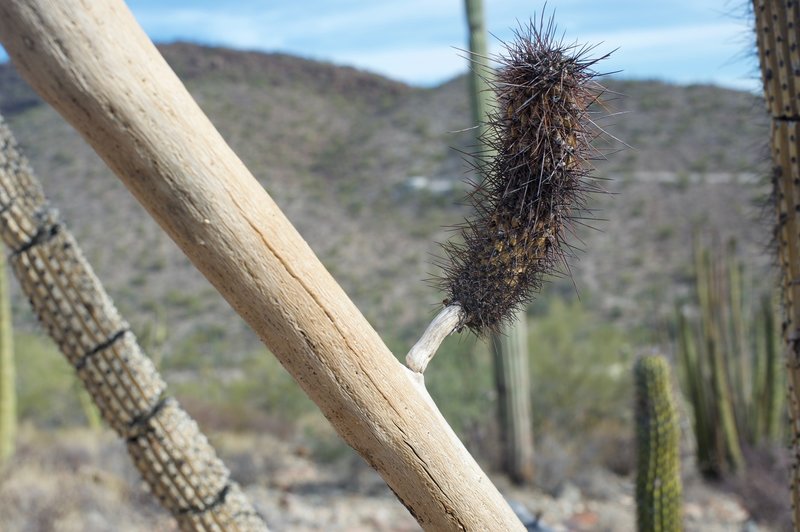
(777,23)
(512,381)
(166,445)
(509,347)
(658,481)
(729,363)
(8,396)
(712,300)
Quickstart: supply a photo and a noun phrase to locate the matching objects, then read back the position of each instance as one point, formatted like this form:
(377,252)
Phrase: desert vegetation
(372,208)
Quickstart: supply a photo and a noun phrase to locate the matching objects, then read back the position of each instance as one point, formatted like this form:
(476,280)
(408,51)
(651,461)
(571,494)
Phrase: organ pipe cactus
(166,445)
(729,362)
(658,481)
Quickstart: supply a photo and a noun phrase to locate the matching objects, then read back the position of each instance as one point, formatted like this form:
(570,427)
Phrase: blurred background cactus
(510,347)
(8,394)
(658,477)
(730,368)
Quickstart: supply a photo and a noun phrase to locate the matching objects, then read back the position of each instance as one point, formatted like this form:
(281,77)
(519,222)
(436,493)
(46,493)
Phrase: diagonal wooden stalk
(166,445)
(95,65)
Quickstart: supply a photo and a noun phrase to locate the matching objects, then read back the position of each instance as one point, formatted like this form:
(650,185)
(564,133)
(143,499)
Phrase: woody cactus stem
(777,23)
(8,396)
(658,482)
(166,445)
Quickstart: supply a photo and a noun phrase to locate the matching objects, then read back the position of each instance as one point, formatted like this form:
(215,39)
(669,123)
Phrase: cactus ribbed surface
(8,395)
(512,377)
(166,445)
(711,295)
(509,348)
(729,362)
(777,24)
(658,481)
(479,94)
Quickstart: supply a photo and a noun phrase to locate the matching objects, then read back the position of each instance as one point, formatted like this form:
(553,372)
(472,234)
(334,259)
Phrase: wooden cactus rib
(166,445)
(94,64)
(777,37)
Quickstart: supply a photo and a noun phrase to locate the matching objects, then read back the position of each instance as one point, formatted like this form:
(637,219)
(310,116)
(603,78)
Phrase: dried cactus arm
(95,65)
(167,447)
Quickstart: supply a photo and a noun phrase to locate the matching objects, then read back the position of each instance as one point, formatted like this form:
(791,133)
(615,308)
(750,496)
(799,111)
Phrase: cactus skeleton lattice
(174,457)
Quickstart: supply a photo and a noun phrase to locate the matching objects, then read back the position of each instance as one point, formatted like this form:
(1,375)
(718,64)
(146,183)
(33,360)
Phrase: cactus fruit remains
(658,481)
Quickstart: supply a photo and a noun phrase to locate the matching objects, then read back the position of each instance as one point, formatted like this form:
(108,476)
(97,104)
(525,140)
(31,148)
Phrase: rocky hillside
(370,172)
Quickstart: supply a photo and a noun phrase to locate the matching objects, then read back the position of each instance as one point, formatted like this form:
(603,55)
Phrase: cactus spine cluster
(8,396)
(777,25)
(537,141)
(658,481)
(166,445)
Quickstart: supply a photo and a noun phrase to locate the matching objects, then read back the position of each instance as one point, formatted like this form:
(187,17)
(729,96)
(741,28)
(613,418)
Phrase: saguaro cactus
(8,396)
(658,481)
(166,445)
(509,347)
(777,35)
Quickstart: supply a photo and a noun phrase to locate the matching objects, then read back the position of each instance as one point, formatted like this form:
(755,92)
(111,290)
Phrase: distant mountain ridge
(343,152)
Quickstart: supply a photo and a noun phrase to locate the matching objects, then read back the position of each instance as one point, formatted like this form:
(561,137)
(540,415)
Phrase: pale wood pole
(93,63)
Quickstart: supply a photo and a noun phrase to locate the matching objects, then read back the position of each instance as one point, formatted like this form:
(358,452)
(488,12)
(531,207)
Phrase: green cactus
(729,362)
(711,294)
(8,397)
(658,481)
(509,347)
(512,381)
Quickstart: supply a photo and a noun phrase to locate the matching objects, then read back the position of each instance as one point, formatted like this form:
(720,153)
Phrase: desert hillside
(372,173)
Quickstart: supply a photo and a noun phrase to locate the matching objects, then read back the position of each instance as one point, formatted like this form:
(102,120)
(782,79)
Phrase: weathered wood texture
(95,65)
(166,445)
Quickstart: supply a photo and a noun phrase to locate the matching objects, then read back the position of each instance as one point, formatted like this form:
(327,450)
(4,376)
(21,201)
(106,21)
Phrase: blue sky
(683,41)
